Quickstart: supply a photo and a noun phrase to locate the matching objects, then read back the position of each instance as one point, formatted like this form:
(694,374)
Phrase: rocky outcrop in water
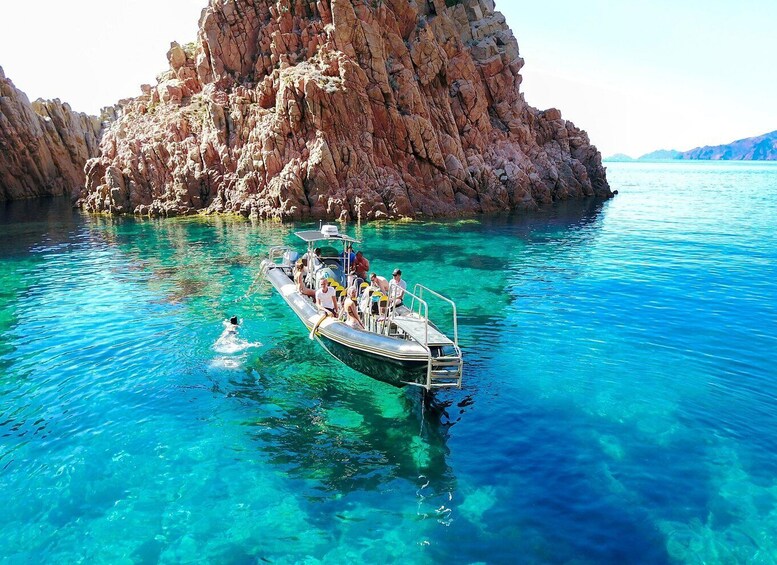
(44,145)
(341,108)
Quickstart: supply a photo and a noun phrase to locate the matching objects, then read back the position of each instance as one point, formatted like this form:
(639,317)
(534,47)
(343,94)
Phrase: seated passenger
(326,298)
(299,278)
(352,314)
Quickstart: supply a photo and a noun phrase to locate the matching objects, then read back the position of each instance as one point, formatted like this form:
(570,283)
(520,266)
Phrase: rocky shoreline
(44,145)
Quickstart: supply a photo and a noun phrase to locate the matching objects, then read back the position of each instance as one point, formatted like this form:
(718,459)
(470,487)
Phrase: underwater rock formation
(44,145)
(341,109)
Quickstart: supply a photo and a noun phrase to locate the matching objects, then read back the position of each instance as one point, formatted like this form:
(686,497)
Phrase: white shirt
(397,289)
(326,299)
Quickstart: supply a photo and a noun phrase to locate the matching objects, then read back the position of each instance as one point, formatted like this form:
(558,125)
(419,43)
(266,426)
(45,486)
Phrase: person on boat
(348,259)
(299,278)
(361,265)
(365,298)
(313,258)
(326,298)
(380,283)
(397,287)
(351,311)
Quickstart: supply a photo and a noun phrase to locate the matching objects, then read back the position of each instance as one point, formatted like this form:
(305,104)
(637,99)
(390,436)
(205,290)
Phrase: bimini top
(327,232)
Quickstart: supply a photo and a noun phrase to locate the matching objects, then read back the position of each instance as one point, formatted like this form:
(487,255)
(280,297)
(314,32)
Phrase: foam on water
(618,405)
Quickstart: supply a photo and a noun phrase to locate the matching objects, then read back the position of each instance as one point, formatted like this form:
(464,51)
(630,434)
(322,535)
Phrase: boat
(398,344)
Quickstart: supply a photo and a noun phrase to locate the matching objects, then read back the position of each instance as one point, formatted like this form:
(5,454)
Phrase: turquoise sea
(619,400)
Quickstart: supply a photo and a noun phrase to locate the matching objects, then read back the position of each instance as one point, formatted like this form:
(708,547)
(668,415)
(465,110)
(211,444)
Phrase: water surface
(618,404)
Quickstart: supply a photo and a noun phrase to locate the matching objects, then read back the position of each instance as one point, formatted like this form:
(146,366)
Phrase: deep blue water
(618,404)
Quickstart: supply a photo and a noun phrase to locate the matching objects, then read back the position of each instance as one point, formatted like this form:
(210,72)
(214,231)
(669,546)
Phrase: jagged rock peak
(341,108)
(44,145)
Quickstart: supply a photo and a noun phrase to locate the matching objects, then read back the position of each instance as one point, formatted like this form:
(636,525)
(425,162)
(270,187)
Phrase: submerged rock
(44,145)
(341,109)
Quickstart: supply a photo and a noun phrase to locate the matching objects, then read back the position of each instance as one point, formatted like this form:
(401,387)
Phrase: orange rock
(336,109)
(44,145)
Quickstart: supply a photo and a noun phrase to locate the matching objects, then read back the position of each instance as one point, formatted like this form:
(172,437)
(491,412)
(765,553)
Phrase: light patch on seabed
(478,503)
(739,527)
(611,446)
(420,452)
(653,419)
(392,407)
(344,418)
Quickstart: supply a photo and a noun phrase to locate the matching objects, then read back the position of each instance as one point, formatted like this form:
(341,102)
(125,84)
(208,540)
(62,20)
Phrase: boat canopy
(326,233)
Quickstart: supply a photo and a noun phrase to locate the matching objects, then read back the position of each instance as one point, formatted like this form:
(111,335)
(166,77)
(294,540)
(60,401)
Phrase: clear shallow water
(619,400)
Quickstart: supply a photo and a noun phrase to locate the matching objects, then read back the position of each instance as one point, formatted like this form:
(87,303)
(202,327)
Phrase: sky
(636,76)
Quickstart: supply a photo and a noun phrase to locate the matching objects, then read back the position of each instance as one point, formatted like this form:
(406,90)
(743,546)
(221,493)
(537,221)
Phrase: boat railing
(444,369)
(277,252)
(423,312)
(419,289)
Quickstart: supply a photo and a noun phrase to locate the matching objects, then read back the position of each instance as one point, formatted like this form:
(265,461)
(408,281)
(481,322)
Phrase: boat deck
(417,328)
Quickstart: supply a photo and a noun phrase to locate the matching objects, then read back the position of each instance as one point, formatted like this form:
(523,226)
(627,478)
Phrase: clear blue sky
(636,76)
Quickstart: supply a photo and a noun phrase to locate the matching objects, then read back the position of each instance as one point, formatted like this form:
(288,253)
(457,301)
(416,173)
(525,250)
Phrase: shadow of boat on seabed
(338,428)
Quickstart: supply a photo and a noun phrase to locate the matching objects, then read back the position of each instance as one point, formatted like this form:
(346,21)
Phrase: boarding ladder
(445,363)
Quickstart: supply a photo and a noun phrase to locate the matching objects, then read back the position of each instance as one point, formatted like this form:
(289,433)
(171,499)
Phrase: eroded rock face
(44,145)
(341,108)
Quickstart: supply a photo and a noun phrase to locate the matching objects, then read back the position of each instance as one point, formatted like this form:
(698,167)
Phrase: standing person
(397,288)
(313,259)
(348,258)
(362,265)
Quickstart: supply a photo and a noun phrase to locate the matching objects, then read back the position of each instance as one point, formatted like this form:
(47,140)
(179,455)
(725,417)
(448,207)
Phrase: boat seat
(415,328)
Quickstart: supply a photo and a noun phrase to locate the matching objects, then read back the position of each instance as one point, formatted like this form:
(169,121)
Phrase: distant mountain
(761,148)
(661,154)
(618,157)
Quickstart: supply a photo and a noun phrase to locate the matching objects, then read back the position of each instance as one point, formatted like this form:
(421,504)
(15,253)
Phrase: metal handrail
(446,299)
(392,312)
(277,252)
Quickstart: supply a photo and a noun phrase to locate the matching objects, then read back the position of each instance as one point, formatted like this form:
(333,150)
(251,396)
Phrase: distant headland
(759,148)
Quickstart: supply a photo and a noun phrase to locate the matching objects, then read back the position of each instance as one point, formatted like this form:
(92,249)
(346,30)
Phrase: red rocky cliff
(341,108)
(44,145)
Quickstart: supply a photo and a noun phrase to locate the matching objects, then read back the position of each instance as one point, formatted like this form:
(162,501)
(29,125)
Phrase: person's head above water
(233,320)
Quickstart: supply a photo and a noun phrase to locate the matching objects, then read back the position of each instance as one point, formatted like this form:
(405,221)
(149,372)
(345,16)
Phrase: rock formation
(44,145)
(341,108)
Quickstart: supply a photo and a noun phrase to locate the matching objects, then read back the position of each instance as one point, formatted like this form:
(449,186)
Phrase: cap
(397,272)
